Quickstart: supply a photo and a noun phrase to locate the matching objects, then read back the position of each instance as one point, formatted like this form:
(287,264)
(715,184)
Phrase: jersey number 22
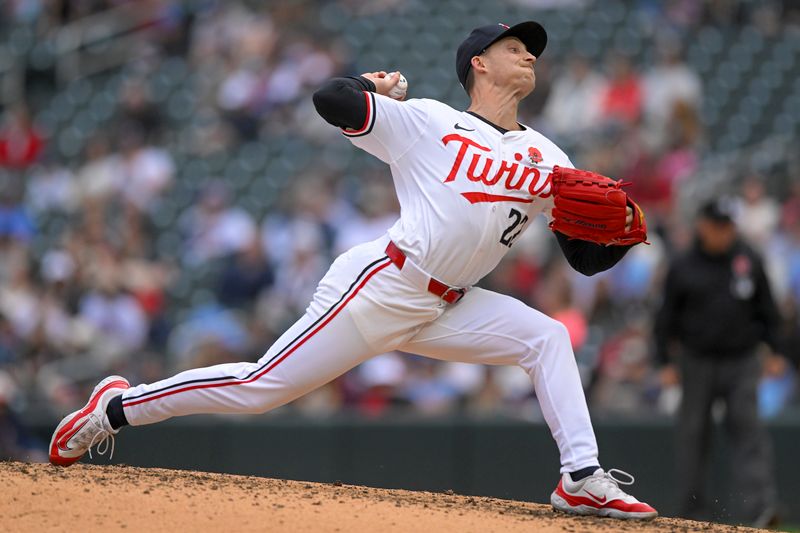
(511,232)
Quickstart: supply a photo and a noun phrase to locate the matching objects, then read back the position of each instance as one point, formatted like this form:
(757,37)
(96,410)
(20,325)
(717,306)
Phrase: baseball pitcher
(469,183)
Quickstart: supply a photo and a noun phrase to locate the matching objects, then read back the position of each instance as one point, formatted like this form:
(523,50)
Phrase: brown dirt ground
(40,497)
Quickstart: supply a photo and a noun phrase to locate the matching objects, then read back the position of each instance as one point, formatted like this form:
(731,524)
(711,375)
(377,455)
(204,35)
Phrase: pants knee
(555,332)
(550,338)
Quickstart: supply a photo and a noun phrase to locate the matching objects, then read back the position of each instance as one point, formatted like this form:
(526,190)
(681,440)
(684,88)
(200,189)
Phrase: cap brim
(717,218)
(531,34)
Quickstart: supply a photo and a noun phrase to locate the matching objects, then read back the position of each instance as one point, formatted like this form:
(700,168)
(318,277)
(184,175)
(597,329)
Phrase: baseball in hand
(398,92)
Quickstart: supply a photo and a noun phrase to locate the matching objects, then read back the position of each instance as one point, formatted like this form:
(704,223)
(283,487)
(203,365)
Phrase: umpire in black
(717,309)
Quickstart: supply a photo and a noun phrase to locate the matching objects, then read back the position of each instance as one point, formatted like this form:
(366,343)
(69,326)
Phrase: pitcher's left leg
(490,328)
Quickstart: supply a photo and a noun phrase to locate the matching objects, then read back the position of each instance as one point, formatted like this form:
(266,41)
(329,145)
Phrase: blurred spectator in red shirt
(651,192)
(20,143)
(622,101)
(790,212)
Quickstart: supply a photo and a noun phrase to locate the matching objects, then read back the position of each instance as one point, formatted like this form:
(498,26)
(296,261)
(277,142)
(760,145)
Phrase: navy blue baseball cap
(531,33)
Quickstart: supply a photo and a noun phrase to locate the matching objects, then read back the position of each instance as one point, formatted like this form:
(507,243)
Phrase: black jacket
(716,306)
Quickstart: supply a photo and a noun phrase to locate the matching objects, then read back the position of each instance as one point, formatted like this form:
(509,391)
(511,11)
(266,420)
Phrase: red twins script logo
(535,186)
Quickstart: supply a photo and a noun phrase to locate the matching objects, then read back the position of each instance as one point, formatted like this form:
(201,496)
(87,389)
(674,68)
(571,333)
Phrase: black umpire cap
(721,210)
(531,33)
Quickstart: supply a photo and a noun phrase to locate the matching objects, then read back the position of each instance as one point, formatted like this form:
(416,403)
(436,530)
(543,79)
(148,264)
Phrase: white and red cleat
(81,430)
(600,495)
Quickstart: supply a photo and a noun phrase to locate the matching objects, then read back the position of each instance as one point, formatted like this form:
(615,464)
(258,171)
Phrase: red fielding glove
(591,207)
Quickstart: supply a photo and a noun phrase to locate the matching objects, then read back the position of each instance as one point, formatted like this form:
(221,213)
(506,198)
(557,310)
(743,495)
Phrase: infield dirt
(39,497)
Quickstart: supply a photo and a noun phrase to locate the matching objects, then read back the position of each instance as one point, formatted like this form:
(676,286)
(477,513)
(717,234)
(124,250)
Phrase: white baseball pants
(365,306)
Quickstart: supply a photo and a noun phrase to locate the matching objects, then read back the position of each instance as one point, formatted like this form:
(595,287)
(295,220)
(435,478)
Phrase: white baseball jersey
(466,190)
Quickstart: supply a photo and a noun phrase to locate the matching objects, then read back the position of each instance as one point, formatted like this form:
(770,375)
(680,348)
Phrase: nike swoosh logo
(598,500)
(63,443)
(460,128)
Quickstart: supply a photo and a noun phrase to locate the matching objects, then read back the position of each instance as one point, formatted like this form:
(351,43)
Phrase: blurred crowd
(90,280)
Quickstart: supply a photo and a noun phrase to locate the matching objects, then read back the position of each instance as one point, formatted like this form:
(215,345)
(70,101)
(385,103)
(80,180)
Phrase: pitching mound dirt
(37,498)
